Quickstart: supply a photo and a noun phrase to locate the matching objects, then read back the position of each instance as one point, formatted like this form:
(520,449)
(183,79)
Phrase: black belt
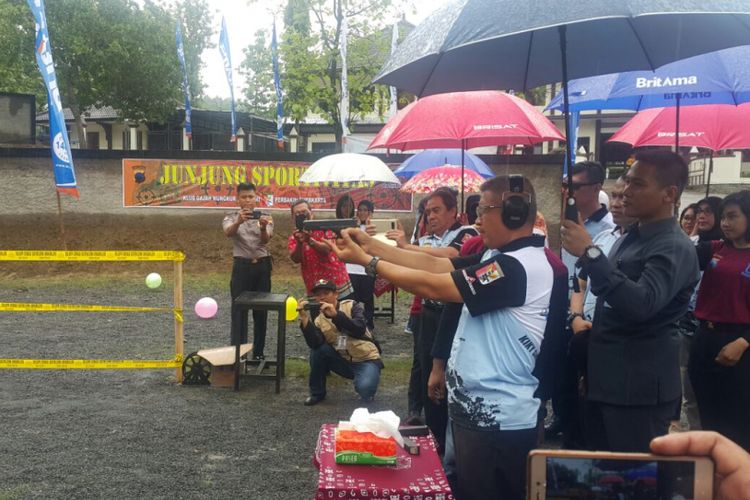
(726,327)
(435,305)
(252,261)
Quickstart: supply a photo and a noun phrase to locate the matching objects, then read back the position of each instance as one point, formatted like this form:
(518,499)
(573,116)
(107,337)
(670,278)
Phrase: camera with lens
(313,307)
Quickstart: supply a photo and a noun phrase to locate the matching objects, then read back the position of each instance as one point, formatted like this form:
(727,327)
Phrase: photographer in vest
(340,342)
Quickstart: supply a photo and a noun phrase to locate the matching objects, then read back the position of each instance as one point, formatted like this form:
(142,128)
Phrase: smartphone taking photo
(568,474)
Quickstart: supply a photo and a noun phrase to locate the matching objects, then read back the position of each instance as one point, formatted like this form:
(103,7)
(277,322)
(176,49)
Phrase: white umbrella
(349,167)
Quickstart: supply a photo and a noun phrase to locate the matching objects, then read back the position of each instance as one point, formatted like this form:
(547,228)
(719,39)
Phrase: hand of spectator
(398,235)
(371,229)
(579,325)
(463,218)
(328,310)
(574,237)
(304,315)
(347,249)
(731,353)
(436,383)
(264,221)
(301,236)
(245,214)
(732,472)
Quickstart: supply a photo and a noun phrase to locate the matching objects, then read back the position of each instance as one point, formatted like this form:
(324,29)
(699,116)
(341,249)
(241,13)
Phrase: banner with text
(212,183)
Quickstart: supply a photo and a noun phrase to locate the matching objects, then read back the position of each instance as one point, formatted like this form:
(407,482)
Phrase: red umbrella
(430,179)
(711,126)
(466,120)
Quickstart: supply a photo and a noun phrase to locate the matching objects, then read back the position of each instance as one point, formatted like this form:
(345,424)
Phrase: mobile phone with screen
(382,226)
(568,474)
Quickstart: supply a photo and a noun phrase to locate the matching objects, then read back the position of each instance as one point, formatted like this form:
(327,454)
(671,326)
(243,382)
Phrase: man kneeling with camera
(339,340)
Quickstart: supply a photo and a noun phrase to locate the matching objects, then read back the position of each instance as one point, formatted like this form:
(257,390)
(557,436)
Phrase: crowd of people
(641,317)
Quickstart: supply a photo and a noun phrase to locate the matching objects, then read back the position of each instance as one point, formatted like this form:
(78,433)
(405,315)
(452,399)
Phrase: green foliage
(107,53)
(18,71)
(311,62)
(257,69)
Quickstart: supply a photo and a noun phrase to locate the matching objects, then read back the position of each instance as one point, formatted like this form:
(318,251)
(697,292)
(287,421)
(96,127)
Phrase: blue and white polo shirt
(507,296)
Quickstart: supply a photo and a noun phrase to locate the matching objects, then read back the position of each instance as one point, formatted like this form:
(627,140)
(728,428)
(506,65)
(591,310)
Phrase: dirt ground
(129,434)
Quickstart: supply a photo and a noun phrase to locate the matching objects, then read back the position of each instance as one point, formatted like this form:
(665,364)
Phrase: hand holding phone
(580,474)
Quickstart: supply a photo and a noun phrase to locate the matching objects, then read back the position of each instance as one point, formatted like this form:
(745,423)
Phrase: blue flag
(185,83)
(226,56)
(62,158)
(277,86)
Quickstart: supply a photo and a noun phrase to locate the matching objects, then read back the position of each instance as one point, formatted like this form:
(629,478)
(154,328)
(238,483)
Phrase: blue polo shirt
(507,295)
(453,237)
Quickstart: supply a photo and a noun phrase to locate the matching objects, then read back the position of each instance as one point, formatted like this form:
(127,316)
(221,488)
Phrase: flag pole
(62,224)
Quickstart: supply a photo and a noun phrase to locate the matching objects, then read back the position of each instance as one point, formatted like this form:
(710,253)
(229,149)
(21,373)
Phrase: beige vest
(357,350)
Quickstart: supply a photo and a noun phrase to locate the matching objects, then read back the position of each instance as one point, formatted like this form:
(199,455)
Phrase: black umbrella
(509,44)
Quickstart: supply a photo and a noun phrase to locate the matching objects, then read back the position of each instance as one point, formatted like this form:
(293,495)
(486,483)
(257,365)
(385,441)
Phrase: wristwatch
(591,253)
(370,268)
(573,316)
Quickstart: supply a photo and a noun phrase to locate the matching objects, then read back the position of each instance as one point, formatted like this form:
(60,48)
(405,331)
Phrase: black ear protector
(516,203)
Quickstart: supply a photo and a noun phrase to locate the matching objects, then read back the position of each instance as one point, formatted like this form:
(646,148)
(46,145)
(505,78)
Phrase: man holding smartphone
(250,231)
(643,288)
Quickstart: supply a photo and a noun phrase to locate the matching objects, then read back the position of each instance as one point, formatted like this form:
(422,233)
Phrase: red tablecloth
(414,477)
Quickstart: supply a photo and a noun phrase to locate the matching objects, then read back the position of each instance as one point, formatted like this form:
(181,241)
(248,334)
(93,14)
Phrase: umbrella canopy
(721,77)
(466,120)
(429,180)
(437,157)
(348,167)
(491,44)
(712,126)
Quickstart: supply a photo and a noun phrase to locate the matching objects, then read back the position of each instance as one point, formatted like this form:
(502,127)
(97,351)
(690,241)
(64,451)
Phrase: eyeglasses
(482,209)
(578,185)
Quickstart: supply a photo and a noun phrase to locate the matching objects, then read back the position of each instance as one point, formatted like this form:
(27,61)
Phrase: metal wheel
(195,370)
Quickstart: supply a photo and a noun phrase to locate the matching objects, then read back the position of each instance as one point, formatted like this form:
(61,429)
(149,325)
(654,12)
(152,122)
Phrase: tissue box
(354,447)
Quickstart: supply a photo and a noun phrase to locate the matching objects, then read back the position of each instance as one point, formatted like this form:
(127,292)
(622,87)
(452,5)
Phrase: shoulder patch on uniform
(489,273)
(469,281)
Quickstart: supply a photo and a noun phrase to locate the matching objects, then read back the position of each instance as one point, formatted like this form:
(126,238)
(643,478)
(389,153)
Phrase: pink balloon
(206,308)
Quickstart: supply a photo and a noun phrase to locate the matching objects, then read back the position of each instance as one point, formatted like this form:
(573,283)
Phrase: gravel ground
(128,434)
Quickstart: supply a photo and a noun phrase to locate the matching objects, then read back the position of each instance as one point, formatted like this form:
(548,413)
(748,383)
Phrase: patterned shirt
(246,242)
(316,266)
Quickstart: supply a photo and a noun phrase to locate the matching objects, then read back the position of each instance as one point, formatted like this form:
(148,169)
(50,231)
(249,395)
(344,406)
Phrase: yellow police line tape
(91,255)
(88,364)
(35,307)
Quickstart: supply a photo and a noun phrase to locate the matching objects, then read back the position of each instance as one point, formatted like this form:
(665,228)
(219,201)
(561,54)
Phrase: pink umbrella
(711,126)
(466,120)
(430,179)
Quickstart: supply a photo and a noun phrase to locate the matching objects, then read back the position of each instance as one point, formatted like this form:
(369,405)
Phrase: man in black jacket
(642,289)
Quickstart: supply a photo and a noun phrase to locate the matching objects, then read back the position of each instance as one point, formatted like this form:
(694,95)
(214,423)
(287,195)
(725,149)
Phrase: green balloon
(153,280)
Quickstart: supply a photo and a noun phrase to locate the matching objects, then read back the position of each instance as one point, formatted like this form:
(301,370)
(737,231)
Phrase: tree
(18,70)
(197,36)
(311,60)
(106,53)
(257,69)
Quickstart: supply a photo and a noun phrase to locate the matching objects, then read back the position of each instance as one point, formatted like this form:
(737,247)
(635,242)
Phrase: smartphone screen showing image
(619,479)
(613,476)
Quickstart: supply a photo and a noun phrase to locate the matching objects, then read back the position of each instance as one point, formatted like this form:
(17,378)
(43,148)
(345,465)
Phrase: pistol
(335,225)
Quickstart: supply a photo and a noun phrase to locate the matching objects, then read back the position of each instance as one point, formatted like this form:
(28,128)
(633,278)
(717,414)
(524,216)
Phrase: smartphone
(569,474)
(299,220)
(382,226)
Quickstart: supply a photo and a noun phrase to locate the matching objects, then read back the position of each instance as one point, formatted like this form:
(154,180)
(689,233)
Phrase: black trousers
(626,428)
(722,392)
(435,415)
(566,402)
(250,277)
(492,464)
(416,399)
(364,292)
